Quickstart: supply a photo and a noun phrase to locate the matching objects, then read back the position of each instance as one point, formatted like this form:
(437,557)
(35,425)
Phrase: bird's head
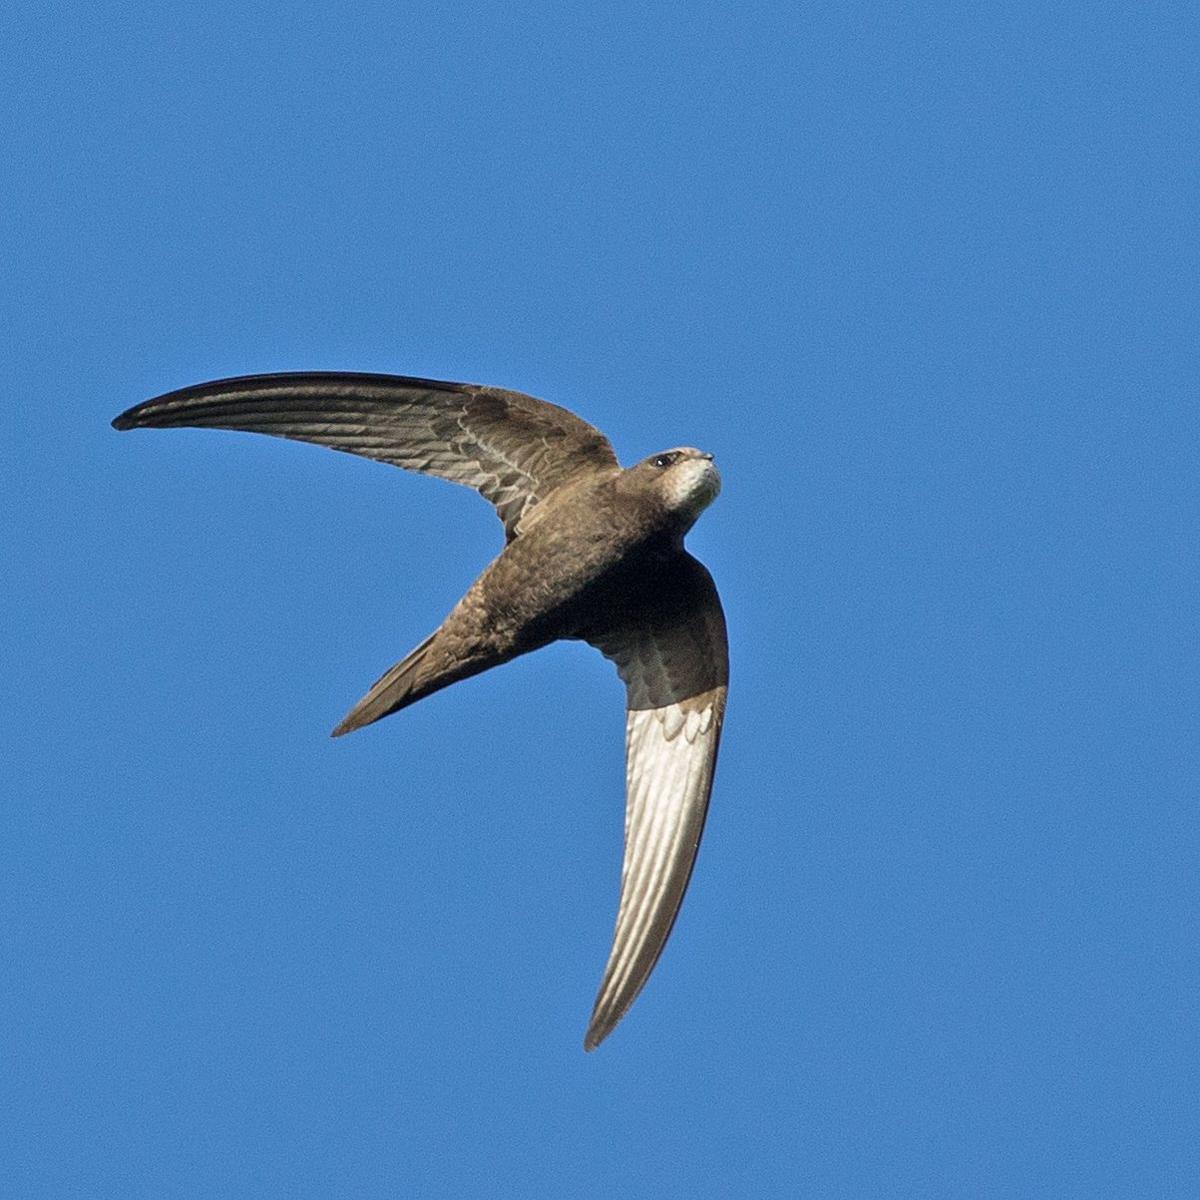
(684,480)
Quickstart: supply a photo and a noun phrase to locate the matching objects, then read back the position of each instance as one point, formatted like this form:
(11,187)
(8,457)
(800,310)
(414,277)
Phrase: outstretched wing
(671,650)
(512,448)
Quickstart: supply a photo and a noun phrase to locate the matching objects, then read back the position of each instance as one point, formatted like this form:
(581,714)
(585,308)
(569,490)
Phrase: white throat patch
(691,486)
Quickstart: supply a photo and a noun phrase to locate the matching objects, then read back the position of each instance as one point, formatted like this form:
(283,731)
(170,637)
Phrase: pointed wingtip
(124,421)
(597,1032)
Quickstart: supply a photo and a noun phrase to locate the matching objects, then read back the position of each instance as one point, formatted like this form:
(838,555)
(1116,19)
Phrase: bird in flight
(593,552)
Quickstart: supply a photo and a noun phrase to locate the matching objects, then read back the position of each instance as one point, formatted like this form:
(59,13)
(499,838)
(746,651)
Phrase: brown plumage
(594,552)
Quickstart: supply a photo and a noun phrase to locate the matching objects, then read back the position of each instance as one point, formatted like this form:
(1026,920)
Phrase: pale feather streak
(670,759)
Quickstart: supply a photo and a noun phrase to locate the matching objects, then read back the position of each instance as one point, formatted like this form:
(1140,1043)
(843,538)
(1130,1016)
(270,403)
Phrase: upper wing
(672,653)
(510,447)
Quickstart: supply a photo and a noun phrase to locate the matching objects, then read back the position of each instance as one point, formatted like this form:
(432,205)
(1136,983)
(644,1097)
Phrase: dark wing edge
(675,662)
(512,448)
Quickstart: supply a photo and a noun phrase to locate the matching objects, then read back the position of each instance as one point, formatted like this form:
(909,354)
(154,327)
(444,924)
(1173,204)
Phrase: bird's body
(593,552)
(589,548)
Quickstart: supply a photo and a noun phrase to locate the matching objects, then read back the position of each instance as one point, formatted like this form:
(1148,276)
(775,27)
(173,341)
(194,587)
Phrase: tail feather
(407,682)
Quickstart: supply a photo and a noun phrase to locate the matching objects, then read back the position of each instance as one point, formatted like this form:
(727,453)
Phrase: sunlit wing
(673,655)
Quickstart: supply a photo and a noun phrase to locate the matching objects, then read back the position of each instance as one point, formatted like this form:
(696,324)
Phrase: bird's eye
(664,460)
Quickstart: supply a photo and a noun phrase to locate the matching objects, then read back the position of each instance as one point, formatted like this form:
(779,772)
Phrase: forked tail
(407,682)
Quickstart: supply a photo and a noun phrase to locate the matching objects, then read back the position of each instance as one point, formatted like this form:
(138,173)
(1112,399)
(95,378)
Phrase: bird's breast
(565,563)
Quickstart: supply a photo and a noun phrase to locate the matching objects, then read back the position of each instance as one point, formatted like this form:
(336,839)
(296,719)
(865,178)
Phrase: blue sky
(924,281)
